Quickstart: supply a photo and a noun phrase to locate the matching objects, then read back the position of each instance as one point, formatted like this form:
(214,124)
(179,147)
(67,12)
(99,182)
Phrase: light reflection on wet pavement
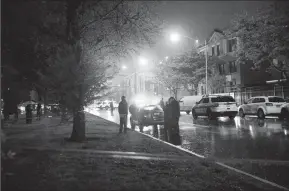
(247,138)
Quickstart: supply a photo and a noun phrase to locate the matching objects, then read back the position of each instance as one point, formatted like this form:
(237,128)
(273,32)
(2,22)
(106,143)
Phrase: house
(241,79)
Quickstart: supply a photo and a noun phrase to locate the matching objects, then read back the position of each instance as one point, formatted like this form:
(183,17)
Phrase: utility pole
(206,57)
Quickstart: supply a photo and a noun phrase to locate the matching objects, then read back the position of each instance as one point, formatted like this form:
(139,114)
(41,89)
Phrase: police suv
(215,106)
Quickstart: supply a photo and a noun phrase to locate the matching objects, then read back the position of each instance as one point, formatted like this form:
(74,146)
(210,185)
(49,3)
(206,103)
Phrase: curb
(203,157)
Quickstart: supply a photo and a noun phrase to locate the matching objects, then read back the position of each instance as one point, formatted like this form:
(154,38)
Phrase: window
(218,50)
(255,100)
(206,100)
(202,90)
(276,99)
(261,100)
(213,51)
(249,101)
(232,44)
(233,67)
(222,69)
(223,99)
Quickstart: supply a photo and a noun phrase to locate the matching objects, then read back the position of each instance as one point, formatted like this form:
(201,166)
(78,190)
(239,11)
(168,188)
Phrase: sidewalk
(107,161)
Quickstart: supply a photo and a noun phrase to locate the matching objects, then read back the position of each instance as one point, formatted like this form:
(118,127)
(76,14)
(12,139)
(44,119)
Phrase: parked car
(262,106)
(147,115)
(104,105)
(188,102)
(215,106)
(284,111)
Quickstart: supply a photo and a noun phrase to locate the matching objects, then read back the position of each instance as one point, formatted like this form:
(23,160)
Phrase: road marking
(219,163)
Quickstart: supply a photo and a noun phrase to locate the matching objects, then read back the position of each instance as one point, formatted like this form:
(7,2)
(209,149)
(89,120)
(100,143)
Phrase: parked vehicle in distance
(262,106)
(215,106)
(104,105)
(188,102)
(284,111)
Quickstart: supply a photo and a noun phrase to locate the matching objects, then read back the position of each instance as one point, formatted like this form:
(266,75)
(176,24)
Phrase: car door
(198,107)
(247,106)
(202,106)
(254,105)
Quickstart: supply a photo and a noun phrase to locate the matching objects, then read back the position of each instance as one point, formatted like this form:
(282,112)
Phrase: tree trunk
(175,92)
(78,131)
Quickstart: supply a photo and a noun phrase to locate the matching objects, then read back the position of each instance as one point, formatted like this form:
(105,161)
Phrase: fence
(243,94)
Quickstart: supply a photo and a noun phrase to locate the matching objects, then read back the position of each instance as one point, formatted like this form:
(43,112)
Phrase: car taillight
(269,104)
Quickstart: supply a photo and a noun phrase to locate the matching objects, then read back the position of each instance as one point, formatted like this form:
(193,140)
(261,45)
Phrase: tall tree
(264,36)
(105,31)
(189,68)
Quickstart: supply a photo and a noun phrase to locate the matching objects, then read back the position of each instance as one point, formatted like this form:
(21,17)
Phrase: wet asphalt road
(247,138)
(258,147)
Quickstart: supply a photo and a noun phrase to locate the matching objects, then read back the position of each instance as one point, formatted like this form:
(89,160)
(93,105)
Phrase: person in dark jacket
(111,108)
(173,121)
(38,111)
(123,111)
(166,121)
(28,111)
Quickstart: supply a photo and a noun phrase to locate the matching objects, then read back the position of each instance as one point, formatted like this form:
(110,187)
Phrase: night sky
(196,19)
(199,18)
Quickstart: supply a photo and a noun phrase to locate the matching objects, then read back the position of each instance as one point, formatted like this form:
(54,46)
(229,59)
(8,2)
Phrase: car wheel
(188,112)
(260,114)
(241,113)
(132,124)
(284,114)
(232,117)
(210,115)
(195,116)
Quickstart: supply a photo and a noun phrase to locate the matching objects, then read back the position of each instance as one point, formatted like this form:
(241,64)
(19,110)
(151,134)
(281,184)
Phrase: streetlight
(143,61)
(123,67)
(175,37)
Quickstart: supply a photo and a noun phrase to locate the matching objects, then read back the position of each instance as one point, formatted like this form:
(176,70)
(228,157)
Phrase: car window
(250,101)
(276,99)
(262,100)
(206,100)
(201,101)
(223,99)
(255,100)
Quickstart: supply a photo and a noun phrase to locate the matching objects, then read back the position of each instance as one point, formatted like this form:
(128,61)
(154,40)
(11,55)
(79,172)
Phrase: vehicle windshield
(151,107)
(223,99)
(276,99)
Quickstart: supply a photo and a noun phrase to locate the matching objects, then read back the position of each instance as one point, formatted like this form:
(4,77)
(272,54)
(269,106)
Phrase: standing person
(162,104)
(123,111)
(174,115)
(38,109)
(111,108)
(28,111)
(166,120)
